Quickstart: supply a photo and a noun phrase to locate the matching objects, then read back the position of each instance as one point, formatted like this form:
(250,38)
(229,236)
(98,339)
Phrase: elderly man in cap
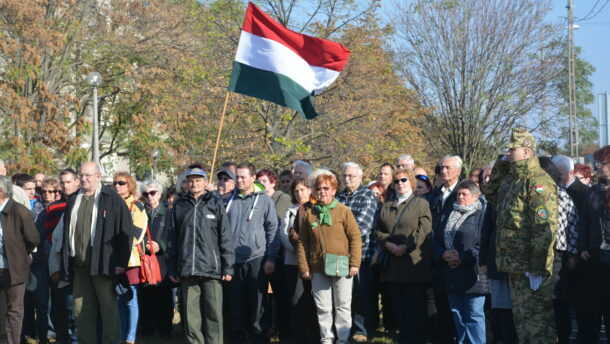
(225,179)
(526,201)
(200,255)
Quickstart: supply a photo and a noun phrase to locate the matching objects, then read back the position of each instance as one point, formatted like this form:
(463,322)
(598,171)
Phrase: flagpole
(222,118)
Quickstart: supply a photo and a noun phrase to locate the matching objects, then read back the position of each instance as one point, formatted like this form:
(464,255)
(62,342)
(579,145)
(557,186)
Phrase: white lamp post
(94,79)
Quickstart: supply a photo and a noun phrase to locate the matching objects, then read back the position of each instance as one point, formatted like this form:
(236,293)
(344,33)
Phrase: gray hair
(311,180)
(352,165)
(6,186)
(407,157)
(469,185)
(151,182)
(563,163)
(303,163)
(181,178)
(458,160)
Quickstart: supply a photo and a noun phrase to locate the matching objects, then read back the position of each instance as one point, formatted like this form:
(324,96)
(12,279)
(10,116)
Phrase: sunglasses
(149,193)
(223,179)
(323,188)
(120,182)
(404,180)
(50,191)
(422,177)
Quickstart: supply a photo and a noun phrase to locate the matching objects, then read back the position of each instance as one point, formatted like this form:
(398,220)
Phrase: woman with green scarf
(329,253)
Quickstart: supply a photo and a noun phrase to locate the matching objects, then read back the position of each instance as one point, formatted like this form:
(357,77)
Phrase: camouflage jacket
(526,202)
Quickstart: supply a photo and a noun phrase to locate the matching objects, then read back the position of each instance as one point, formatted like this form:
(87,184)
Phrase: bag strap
(152,252)
(404,210)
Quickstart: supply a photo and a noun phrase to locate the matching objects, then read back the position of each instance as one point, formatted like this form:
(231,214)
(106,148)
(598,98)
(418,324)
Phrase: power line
(591,11)
(587,17)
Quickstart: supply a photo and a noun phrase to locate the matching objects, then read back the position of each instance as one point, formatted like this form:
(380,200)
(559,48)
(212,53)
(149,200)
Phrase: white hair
(458,160)
(311,180)
(303,163)
(6,186)
(352,165)
(407,157)
(563,163)
(151,182)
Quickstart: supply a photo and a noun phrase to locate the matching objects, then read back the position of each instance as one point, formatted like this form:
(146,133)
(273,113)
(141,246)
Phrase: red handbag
(150,273)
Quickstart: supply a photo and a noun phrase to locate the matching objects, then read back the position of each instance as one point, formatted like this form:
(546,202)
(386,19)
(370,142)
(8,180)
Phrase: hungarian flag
(284,67)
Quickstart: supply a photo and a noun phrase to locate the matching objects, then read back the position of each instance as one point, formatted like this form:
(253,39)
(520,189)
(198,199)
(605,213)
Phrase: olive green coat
(525,197)
(414,232)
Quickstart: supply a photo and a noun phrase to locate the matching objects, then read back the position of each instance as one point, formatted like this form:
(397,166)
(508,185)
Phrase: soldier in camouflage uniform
(526,202)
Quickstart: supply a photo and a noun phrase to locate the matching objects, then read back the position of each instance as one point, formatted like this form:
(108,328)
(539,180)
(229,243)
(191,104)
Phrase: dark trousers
(362,315)
(14,301)
(156,309)
(247,303)
(503,326)
(281,300)
(62,314)
(443,331)
(409,301)
(563,297)
(304,327)
(593,301)
(36,304)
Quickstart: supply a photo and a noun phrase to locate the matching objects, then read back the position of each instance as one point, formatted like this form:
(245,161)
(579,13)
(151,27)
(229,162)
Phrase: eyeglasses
(120,182)
(323,188)
(151,193)
(49,191)
(404,180)
(601,164)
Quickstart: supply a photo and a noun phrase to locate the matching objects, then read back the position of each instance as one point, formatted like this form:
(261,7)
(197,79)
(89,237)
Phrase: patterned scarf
(459,214)
(324,211)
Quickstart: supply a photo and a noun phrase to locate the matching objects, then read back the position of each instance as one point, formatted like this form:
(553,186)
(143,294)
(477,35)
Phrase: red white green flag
(284,67)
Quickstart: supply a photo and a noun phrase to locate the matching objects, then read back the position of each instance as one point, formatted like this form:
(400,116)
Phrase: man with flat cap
(525,197)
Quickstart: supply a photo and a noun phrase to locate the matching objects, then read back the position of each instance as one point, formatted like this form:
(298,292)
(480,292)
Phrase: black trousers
(156,309)
(248,304)
(281,300)
(503,326)
(304,325)
(410,311)
(593,300)
(443,331)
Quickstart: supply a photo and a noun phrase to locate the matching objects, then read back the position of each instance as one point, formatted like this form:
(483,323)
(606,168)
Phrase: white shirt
(447,191)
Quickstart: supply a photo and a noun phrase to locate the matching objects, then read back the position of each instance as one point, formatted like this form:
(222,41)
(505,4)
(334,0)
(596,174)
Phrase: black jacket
(578,192)
(157,226)
(199,238)
(114,235)
(466,242)
(437,209)
(487,254)
(593,221)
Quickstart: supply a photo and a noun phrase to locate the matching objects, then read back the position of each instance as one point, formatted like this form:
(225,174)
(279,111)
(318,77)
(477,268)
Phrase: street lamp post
(94,79)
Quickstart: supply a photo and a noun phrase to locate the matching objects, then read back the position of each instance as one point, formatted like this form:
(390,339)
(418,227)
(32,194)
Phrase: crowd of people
(504,255)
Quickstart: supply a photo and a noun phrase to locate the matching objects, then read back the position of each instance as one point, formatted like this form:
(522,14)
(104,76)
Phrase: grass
(380,337)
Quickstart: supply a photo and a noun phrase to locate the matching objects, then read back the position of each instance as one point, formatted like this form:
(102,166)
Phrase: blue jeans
(128,312)
(362,314)
(469,318)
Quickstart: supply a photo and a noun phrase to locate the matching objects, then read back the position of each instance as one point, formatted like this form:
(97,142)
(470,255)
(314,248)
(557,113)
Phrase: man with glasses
(225,180)
(96,246)
(363,205)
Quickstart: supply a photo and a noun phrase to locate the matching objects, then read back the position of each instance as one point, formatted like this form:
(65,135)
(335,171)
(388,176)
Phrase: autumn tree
(477,64)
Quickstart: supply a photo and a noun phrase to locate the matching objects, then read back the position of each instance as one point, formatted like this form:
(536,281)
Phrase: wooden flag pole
(222,118)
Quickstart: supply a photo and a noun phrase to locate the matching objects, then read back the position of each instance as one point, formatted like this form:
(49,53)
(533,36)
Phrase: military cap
(521,138)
